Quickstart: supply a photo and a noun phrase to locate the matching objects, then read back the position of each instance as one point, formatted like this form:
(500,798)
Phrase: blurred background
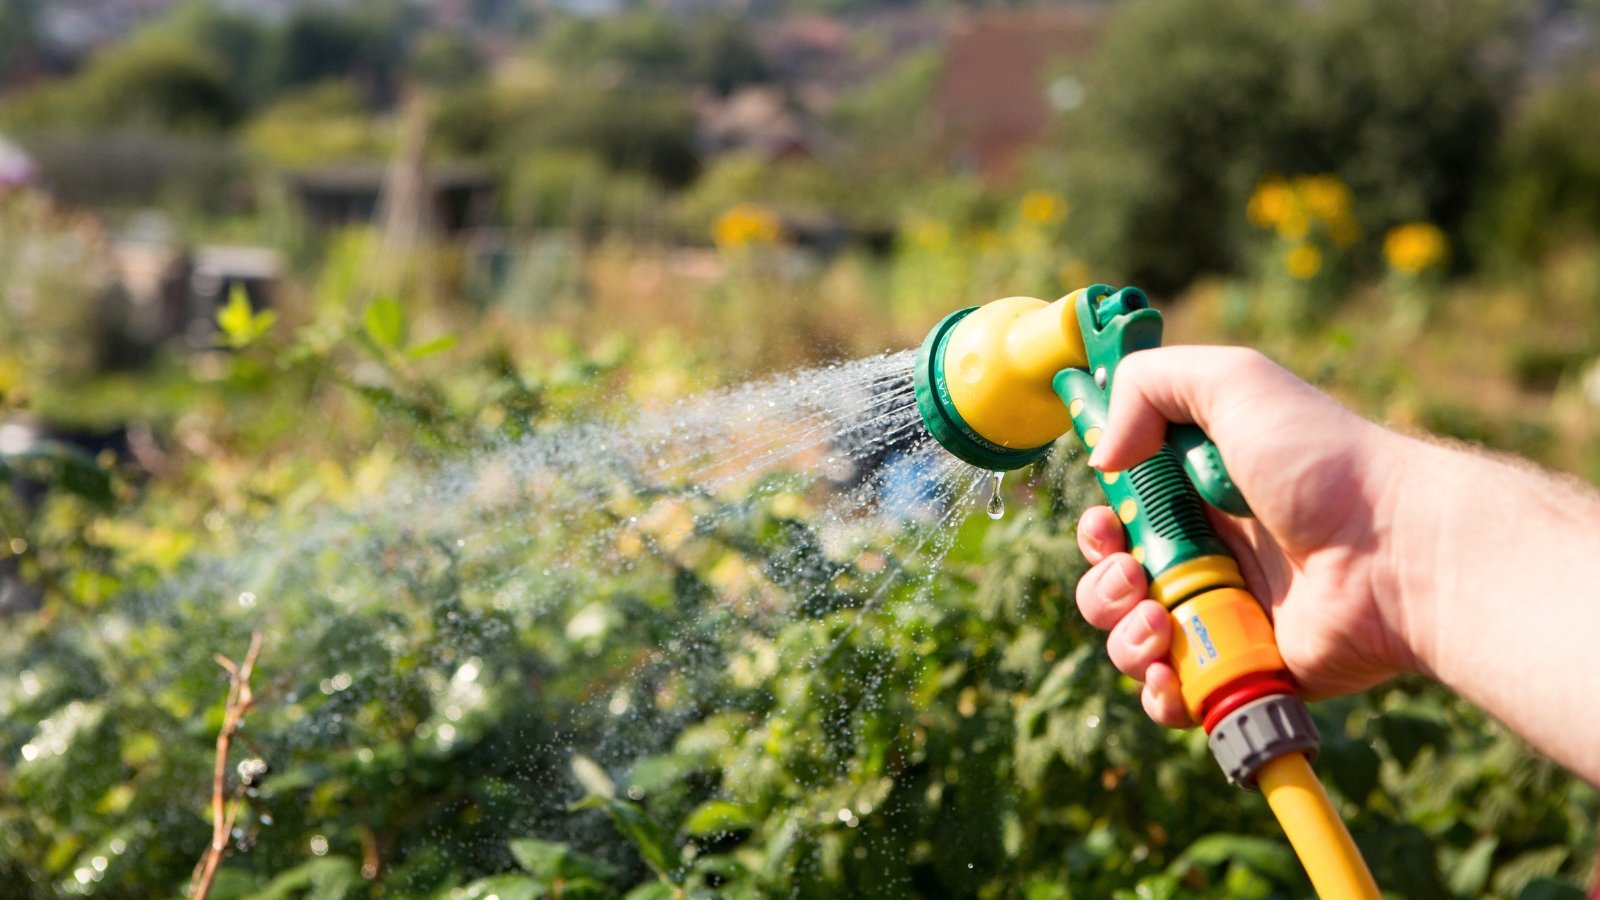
(260,258)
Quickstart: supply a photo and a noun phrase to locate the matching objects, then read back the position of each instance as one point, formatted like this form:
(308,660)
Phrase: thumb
(1168,384)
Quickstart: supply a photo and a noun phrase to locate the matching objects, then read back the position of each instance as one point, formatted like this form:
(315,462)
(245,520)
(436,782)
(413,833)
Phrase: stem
(240,699)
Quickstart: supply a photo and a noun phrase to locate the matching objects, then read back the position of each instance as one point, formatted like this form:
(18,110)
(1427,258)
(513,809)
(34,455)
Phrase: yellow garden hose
(1315,831)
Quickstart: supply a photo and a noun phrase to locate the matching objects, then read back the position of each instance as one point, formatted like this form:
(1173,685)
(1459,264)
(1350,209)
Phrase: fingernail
(1118,582)
(1096,459)
(1150,617)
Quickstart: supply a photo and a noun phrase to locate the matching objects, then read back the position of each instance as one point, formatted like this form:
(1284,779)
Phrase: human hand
(1322,483)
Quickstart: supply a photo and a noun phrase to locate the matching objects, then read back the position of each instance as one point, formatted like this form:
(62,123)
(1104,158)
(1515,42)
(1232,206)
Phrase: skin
(1375,553)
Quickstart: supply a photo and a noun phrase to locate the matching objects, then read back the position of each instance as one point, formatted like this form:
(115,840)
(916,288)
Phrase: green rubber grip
(1203,461)
(1116,324)
(1157,503)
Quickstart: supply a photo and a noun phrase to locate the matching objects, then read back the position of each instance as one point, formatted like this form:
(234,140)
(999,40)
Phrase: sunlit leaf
(550,860)
(385,323)
(716,817)
(646,834)
(428,348)
(239,324)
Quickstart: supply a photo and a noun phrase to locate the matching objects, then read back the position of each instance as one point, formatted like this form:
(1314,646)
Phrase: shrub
(1189,104)
(1546,187)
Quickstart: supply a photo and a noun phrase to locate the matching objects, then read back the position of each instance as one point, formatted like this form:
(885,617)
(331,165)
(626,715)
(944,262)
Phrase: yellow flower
(931,235)
(1415,247)
(1268,202)
(1303,261)
(1294,223)
(1043,208)
(746,224)
(1325,196)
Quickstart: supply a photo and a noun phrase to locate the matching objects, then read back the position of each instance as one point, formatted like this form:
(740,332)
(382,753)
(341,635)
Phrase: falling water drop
(997,504)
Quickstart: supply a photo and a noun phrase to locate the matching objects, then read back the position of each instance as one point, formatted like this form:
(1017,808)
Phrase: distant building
(822,57)
(756,120)
(462,194)
(995,99)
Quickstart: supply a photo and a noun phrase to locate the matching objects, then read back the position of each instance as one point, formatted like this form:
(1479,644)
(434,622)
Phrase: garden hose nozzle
(997,384)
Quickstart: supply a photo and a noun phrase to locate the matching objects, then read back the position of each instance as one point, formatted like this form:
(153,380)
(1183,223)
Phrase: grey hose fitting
(1259,731)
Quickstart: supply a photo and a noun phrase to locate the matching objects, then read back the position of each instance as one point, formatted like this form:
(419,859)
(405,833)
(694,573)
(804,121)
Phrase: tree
(1190,103)
(155,81)
(723,56)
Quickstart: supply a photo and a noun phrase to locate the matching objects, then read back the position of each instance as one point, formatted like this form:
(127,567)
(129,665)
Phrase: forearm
(1497,575)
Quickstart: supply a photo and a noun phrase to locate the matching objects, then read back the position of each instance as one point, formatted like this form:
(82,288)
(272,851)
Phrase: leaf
(505,887)
(1408,734)
(1550,889)
(1351,766)
(385,323)
(427,348)
(592,776)
(61,466)
(550,860)
(1522,872)
(715,817)
(646,834)
(1264,855)
(329,878)
(653,890)
(656,773)
(1471,871)
(239,324)
(235,317)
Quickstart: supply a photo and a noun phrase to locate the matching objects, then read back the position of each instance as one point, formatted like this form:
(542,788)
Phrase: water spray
(997,384)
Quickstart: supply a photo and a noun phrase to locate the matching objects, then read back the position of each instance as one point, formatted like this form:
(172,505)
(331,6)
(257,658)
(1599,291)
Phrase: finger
(1100,534)
(1162,698)
(1142,637)
(1107,592)
(1169,384)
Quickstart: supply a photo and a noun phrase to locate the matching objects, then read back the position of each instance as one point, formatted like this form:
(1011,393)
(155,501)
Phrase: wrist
(1410,515)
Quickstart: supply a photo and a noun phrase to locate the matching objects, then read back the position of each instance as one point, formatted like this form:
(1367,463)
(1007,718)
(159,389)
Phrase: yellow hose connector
(1315,831)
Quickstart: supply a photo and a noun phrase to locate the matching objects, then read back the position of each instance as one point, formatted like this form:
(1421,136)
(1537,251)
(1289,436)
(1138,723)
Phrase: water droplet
(997,503)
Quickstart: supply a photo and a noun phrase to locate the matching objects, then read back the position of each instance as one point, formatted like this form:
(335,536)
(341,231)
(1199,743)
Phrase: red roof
(992,96)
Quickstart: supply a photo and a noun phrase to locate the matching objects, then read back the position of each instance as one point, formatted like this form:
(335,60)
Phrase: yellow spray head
(983,378)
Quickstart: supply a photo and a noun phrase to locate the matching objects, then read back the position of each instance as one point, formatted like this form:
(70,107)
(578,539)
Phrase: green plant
(1189,104)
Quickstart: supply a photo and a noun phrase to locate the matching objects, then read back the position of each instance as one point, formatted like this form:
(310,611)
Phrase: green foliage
(240,325)
(238,41)
(651,48)
(454,721)
(446,59)
(644,46)
(639,130)
(156,82)
(1190,103)
(1547,175)
(326,123)
(723,56)
(474,685)
(320,43)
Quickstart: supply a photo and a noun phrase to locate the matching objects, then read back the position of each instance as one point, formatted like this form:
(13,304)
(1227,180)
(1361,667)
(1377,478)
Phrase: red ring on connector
(1224,700)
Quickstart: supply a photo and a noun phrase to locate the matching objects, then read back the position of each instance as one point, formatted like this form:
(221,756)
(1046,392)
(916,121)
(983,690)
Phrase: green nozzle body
(985,379)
